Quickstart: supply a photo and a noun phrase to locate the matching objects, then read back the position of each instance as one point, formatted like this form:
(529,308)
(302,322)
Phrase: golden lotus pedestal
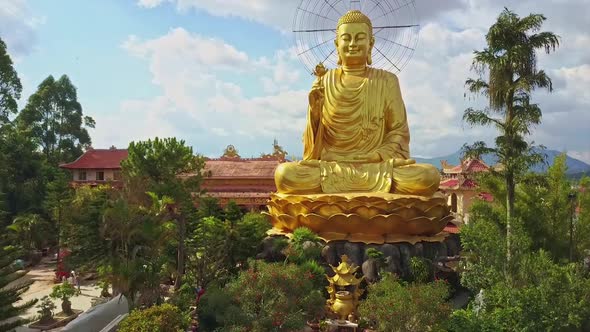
(370,218)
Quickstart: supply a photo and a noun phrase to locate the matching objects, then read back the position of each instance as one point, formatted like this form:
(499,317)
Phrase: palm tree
(510,64)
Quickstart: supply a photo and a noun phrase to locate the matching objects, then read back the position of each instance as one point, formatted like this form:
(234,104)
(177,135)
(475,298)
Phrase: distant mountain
(574,166)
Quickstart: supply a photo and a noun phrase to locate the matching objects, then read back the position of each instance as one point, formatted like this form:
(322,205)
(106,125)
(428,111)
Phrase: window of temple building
(99,176)
(117,175)
(82,176)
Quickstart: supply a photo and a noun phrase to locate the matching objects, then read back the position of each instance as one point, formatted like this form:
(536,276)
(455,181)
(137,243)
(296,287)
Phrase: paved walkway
(42,277)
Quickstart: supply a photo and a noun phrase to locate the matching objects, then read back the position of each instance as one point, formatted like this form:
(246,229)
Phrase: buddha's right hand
(316,97)
(399,162)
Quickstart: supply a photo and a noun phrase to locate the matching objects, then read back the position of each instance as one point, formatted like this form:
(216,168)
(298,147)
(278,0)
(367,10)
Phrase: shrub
(46,308)
(543,297)
(162,318)
(266,297)
(304,246)
(392,305)
(421,270)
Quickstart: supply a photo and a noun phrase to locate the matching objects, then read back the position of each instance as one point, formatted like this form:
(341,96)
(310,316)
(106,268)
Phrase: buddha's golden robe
(356,119)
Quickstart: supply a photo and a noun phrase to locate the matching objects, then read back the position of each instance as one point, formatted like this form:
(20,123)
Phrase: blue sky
(222,72)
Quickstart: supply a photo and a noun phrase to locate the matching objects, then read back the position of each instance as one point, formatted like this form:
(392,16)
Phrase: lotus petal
(368,212)
(327,210)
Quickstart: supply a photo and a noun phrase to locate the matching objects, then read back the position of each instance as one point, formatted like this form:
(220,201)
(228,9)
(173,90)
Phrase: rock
(419,249)
(354,251)
(442,250)
(452,247)
(393,265)
(309,245)
(271,249)
(371,270)
(329,254)
(405,256)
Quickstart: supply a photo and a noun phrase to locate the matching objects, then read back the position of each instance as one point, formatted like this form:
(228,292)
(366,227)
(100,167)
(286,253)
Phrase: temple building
(459,184)
(250,181)
(97,167)
(247,181)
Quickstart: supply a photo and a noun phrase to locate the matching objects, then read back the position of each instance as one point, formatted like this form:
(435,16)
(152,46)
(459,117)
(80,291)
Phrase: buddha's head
(354,39)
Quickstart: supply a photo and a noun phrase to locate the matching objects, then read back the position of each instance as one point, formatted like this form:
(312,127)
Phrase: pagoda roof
(241,168)
(98,159)
(466,166)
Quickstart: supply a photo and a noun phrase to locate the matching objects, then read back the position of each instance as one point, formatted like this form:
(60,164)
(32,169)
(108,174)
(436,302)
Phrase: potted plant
(65,291)
(46,308)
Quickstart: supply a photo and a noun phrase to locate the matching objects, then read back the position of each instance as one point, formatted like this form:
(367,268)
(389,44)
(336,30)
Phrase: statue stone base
(397,255)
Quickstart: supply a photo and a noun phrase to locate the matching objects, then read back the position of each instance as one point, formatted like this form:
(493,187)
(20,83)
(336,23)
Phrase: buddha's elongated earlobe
(370,55)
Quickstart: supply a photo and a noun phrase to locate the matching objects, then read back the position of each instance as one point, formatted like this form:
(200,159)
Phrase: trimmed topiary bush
(162,318)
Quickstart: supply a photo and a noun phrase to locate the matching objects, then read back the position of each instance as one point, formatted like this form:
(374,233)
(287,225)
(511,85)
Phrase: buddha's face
(354,42)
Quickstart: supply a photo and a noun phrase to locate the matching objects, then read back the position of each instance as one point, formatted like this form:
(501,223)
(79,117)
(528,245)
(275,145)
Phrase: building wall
(109,174)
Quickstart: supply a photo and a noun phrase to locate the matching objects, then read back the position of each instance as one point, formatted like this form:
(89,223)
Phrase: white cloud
(202,81)
(192,71)
(149,3)
(18,27)
(279,14)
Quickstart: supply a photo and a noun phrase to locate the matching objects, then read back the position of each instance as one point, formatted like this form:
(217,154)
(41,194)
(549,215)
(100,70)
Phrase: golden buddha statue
(357,136)
(356,147)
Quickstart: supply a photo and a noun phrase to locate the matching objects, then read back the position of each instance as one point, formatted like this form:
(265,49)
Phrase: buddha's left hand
(372,157)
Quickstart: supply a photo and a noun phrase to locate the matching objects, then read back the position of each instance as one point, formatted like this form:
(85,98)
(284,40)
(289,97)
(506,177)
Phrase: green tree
(11,290)
(219,247)
(29,230)
(58,197)
(137,236)
(266,297)
(392,305)
(56,120)
(22,178)
(10,86)
(510,63)
(168,167)
(543,296)
(209,207)
(582,220)
(82,224)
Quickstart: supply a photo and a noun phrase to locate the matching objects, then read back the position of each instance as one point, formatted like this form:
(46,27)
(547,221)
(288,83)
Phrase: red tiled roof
(456,184)
(468,166)
(450,183)
(451,228)
(476,165)
(454,170)
(241,168)
(98,159)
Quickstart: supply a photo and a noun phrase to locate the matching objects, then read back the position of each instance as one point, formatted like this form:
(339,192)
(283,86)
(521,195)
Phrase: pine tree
(11,291)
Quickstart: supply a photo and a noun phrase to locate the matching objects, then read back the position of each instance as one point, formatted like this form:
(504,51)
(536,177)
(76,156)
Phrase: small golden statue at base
(344,290)
(356,181)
